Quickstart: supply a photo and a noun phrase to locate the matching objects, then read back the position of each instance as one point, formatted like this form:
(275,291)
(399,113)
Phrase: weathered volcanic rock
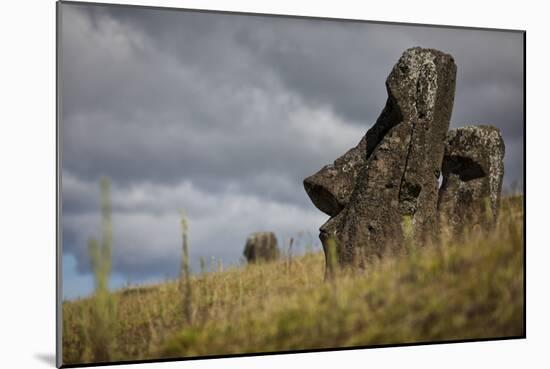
(473,168)
(403,152)
(261,246)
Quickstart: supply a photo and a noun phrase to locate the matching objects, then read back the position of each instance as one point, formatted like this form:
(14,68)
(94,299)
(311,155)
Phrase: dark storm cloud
(224,115)
(156,111)
(205,58)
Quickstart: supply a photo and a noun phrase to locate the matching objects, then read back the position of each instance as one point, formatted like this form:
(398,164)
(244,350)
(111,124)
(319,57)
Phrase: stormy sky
(223,115)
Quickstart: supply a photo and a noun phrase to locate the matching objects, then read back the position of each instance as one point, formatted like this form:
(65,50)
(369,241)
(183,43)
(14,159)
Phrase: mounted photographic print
(241,184)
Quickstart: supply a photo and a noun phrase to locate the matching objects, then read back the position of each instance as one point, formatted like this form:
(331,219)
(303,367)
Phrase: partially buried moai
(261,246)
(393,172)
(473,169)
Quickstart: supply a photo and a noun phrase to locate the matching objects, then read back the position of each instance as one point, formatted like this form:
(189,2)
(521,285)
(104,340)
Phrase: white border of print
(27,154)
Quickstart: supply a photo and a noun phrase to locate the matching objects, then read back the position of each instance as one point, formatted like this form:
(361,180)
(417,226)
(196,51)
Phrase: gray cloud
(224,115)
(146,220)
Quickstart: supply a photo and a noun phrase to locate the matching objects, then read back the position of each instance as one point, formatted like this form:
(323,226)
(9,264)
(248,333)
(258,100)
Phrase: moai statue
(261,246)
(393,172)
(473,168)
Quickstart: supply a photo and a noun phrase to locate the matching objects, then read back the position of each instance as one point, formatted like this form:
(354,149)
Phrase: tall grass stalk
(331,258)
(101,336)
(289,256)
(185,272)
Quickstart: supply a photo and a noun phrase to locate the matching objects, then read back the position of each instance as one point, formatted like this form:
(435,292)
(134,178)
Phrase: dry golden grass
(453,291)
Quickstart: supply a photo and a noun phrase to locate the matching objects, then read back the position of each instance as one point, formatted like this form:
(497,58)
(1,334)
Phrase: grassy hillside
(455,290)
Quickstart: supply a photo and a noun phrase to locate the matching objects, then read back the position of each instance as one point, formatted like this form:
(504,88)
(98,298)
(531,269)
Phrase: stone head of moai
(473,170)
(393,173)
(261,246)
